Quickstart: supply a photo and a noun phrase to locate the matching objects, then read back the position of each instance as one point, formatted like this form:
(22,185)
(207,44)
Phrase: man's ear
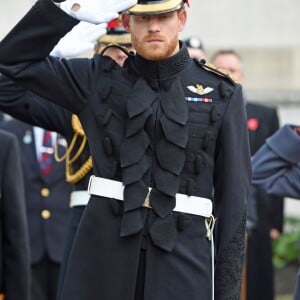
(125,21)
(182,19)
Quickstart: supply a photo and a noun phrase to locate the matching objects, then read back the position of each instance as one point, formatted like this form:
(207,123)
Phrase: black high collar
(162,69)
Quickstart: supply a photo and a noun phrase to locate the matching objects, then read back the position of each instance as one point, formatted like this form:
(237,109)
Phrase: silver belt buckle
(147,199)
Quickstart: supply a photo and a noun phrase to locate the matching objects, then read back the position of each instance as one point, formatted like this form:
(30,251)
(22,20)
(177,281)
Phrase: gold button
(46,214)
(45,192)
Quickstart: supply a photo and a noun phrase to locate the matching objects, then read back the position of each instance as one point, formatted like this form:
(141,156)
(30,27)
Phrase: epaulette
(212,68)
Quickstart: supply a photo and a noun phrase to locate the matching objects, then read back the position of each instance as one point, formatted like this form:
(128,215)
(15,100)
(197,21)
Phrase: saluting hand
(80,39)
(96,11)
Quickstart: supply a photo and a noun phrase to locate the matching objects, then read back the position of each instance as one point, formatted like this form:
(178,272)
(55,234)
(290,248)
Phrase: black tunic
(144,131)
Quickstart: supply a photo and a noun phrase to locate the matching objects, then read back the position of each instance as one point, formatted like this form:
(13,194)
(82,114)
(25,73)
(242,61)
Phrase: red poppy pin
(252,124)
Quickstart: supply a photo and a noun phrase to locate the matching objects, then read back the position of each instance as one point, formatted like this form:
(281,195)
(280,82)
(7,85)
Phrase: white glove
(80,39)
(96,11)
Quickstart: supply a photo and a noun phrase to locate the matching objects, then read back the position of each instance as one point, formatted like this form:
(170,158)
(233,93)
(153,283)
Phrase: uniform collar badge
(198,89)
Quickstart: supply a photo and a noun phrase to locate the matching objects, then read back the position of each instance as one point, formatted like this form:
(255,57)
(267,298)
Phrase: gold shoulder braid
(221,72)
(71,175)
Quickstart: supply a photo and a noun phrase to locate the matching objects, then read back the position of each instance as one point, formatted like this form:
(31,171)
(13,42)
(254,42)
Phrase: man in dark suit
(14,242)
(262,122)
(47,202)
(260,273)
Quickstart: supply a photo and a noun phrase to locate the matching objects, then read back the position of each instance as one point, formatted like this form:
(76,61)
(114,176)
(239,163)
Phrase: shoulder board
(221,72)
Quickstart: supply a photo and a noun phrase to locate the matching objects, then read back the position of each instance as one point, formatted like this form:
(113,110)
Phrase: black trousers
(44,279)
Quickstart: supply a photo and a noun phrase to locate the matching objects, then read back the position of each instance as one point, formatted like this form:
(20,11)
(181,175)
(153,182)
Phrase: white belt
(187,204)
(79,198)
(114,189)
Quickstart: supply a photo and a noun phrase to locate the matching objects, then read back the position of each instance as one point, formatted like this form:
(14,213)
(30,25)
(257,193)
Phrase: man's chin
(155,55)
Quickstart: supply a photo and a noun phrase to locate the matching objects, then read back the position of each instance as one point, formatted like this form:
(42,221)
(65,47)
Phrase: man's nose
(154,25)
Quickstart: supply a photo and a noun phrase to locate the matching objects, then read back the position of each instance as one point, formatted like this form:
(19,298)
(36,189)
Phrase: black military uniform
(155,131)
(14,241)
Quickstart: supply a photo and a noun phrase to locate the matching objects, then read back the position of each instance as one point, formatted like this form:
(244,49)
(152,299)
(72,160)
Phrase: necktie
(46,154)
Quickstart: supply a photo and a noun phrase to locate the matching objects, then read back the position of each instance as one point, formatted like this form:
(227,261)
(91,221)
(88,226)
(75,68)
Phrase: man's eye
(144,18)
(163,17)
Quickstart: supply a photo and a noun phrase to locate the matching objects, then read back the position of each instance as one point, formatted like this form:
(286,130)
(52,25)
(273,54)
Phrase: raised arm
(276,165)
(24,51)
(30,108)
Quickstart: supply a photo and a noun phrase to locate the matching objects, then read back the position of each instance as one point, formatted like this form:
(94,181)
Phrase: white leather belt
(79,198)
(187,204)
(114,189)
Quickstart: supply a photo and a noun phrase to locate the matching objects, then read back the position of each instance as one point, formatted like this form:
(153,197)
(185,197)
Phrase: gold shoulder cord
(219,71)
(71,175)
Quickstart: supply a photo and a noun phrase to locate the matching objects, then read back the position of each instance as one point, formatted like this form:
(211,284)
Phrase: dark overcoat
(47,236)
(14,241)
(262,123)
(146,127)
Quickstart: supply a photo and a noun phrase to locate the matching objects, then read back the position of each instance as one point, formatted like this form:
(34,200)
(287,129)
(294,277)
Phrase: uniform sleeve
(32,109)
(24,58)
(15,235)
(276,165)
(276,210)
(232,185)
